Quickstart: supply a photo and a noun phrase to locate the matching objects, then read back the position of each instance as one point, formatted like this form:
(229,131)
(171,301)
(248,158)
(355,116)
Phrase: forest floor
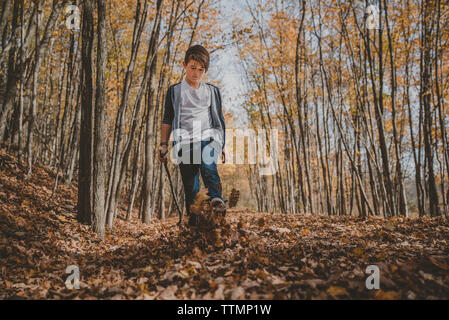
(253,256)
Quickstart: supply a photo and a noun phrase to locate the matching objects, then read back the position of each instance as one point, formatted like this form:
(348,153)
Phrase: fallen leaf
(389,225)
(438,264)
(148,269)
(387,295)
(219,294)
(169,293)
(238,293)
(336,291)
(260,273)
(194,263)
(313,283)
(426,276)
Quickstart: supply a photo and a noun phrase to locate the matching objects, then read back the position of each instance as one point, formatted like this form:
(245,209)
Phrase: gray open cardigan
(172,114)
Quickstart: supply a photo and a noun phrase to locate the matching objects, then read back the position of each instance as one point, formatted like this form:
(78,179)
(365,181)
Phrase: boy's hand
(163,151)
(223,156)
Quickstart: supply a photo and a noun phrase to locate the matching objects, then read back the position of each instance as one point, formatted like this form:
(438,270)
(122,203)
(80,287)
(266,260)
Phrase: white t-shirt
(195,117)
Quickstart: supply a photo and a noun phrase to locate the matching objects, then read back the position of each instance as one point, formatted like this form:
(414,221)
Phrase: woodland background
(360,104)
(362,112)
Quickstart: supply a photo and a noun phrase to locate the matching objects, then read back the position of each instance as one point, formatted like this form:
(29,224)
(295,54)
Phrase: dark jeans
(190,171)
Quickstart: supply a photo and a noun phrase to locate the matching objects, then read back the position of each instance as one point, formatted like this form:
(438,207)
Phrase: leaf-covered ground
(253,256)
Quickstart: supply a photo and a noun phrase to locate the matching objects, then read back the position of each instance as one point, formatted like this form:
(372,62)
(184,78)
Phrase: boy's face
(194,71)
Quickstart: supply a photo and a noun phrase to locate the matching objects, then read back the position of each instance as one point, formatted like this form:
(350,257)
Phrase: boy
(193,111)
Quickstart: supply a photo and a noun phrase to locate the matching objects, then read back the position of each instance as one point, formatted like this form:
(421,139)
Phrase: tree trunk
(99,154)
(86,87)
